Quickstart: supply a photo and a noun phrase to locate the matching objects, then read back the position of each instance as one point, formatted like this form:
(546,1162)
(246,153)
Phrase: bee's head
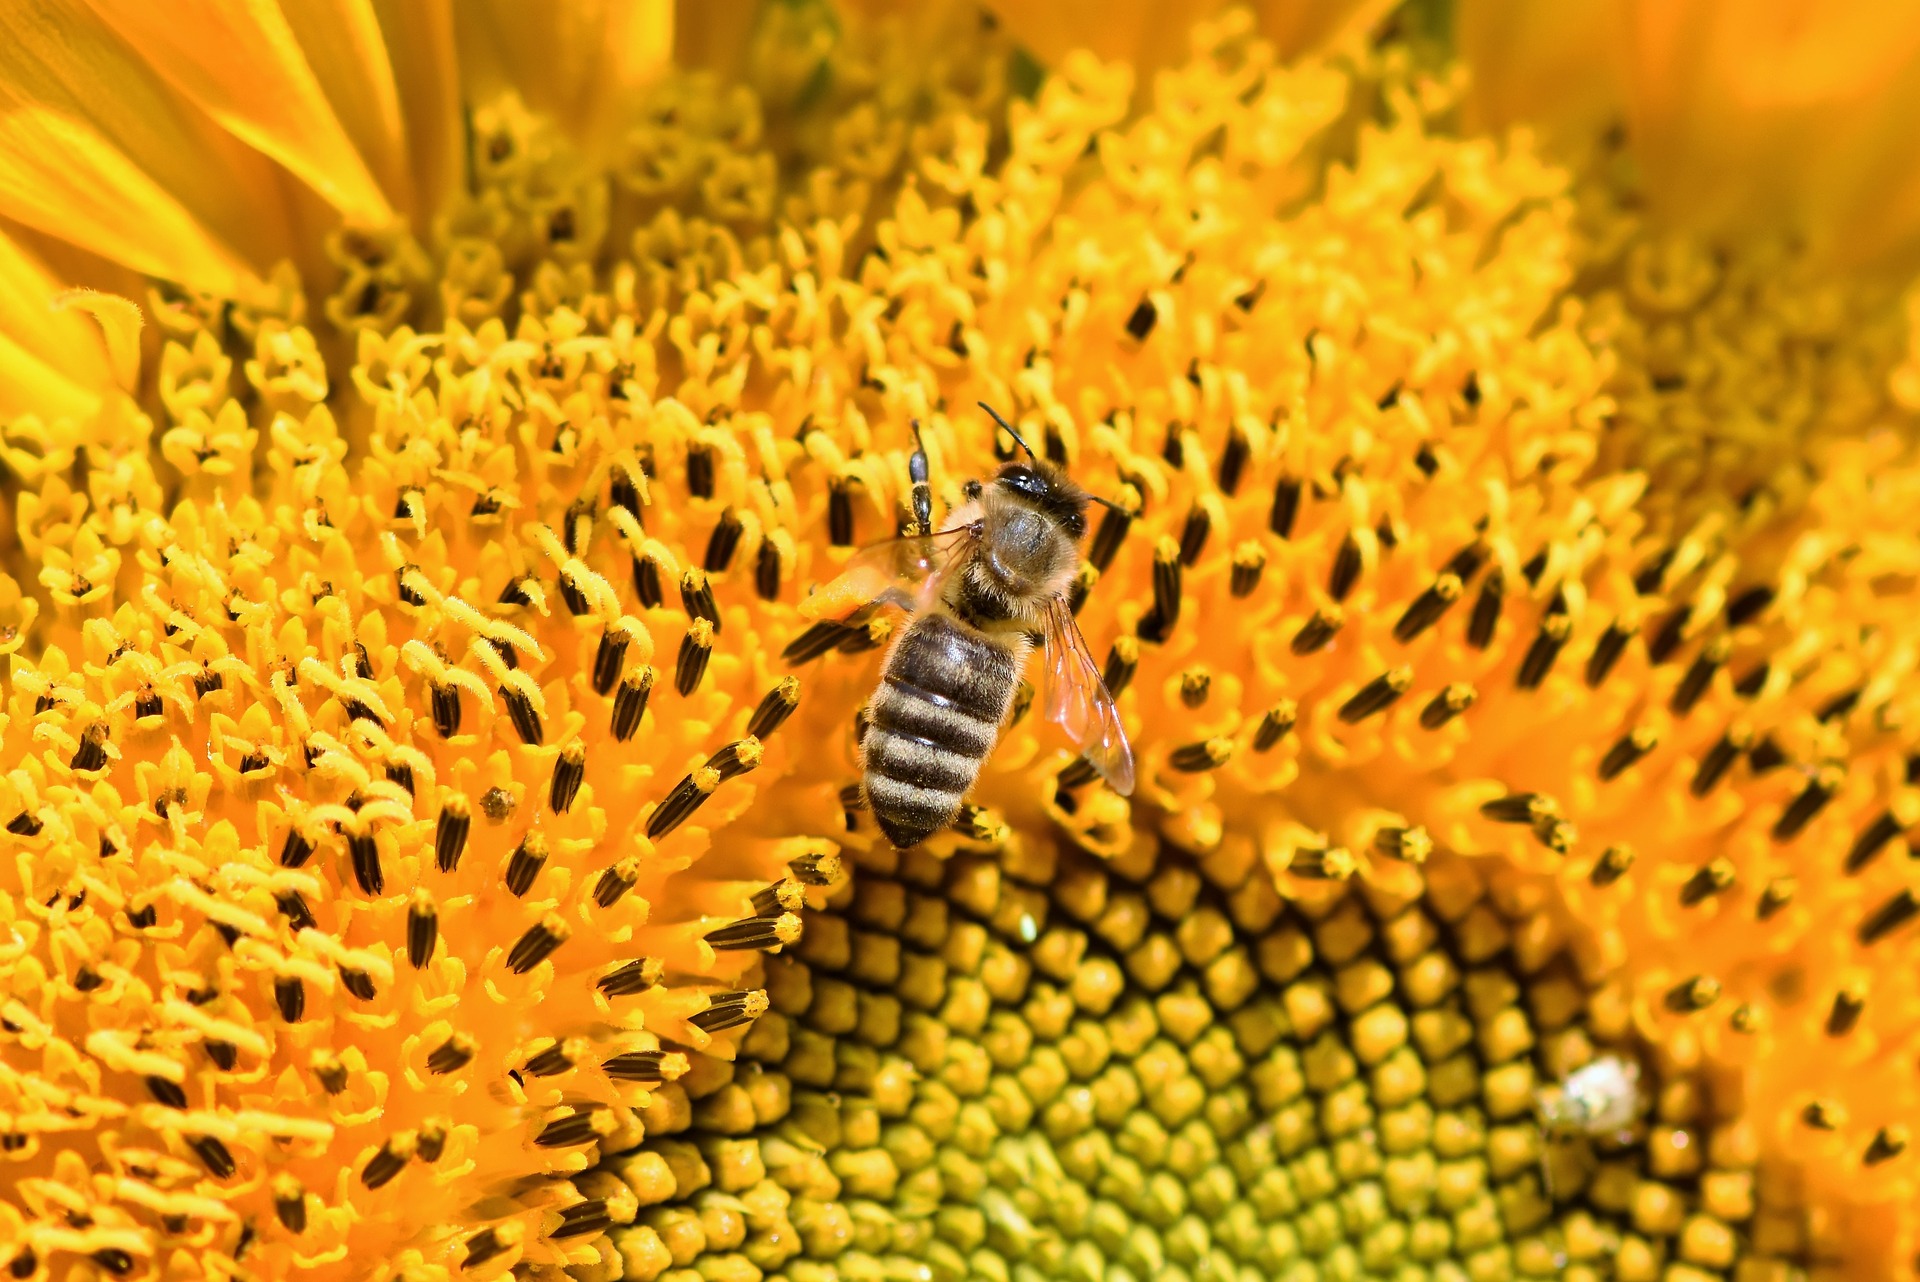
(1047,489)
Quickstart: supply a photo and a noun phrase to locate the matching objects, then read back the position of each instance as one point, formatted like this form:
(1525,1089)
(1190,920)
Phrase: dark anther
(696,596)
(451,1055)
(1108,536)
(357,982)
(646,582)
(1486,610)
(1872,840)
(1712,657)
(630,704)
(1719,759)
(1546,647)
(730,1010)
(1249,562)
(1123,658)
(577,604)
(839,513)
(1889,917)
(1158,623)
(632,977)
(293,906)
(1193,535)
(1377,695)
(1748,604)
(766,571)
(1845,1012)
(1286,507)
(1141,321)
(1694,995)
(569,768)
(615,882)
(696,648)
(450,832)
(1519,808)
(700,471)
(1812,799)
(526,719)
(1626,750)
(1275,725)
(775,708)
(1315,634)
(364,854)
(528,858)
(537,944)
(722,543)
(1448,704)
(423,929)
(1667,637)
(1345,573)
(1607,651)
(214,1154)
(1711,879)
(1193,758)
(554,1060)
(92,752)
(1427,608)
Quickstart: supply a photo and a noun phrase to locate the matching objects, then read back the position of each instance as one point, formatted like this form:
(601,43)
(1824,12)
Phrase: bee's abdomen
(944,693)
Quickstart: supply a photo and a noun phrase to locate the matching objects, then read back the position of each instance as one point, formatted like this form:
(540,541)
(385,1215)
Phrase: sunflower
(434,843)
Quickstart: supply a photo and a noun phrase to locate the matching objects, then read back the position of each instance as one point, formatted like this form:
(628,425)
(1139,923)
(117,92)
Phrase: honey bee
(980,594)
(1599,1100)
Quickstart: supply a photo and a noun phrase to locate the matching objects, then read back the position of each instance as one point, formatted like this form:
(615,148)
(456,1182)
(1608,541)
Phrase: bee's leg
(922,491)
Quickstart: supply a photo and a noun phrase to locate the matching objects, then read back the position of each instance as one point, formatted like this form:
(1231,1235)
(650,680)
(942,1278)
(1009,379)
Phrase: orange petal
(134,175)
(241,62)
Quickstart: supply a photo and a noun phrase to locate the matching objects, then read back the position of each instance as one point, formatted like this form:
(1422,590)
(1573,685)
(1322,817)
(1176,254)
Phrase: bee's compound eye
(1023,479)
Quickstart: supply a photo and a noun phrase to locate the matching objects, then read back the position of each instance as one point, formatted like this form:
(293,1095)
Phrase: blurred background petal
(1770,115)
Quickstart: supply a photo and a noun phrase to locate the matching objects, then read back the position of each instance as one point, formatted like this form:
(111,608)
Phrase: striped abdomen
(944,690)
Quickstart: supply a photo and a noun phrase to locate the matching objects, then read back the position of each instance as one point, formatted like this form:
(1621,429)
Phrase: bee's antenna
(1017,440)
(1108,503)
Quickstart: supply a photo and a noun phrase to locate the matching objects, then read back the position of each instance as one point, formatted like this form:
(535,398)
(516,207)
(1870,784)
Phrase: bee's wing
(901,572)
(1077,700)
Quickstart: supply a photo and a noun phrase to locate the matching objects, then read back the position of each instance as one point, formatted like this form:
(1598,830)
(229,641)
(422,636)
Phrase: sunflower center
(1056,1066)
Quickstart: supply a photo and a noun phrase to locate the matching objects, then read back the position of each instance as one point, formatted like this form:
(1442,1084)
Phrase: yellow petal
(576,62)
(51,363)
(241,62)
(421,47)
(120,323)
(133,174)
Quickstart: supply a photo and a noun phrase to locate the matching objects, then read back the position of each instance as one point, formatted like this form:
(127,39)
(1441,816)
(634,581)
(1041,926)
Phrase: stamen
(1194,758)
(636,976)
(1336,863)
(1668,636)
(1233,459)
(839,513)
(1520,808)
(1888,1143)
(582,1218)
(1611,866)
(1607,651)
(730,1010)
(585,1126)
(696,648)
(1249,563)
(1377,695)
(538,943)
(364,855)
(649,1067)
(1778,894)
(818,638)
(821,869)
(1409,845)
(1889,917)
(700,471)
(489,1243)
(1700,675)
(1546,647)
(646,582)
(696,597)
(423,928)
(1627,750)
(569,768)
(1427,608)
(756,933)
(528,858)
(1848,1004)
(525,719)
(295,850)
(722,543)
(1112,531)
(390,1160)
(290,995)
(558,1057)
(1193,535)
(357,982)
(1694,995)
(1811,801)
(1872,840)
(1123,659)
(290,1203)
(1195,683)
(630,704)
(1286,506)
(616,881)
(1347,563)
(1486,610)
(775,708)
(1315,634)
(1712,879)
(767,570)
(1158,624)
(608,659)
(293,906)
(1448,704)
(1725,751)
(450,832)
(1275,725)
(452,1056)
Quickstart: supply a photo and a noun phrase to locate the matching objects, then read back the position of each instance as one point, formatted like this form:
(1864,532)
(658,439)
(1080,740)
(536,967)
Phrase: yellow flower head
(433,843)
